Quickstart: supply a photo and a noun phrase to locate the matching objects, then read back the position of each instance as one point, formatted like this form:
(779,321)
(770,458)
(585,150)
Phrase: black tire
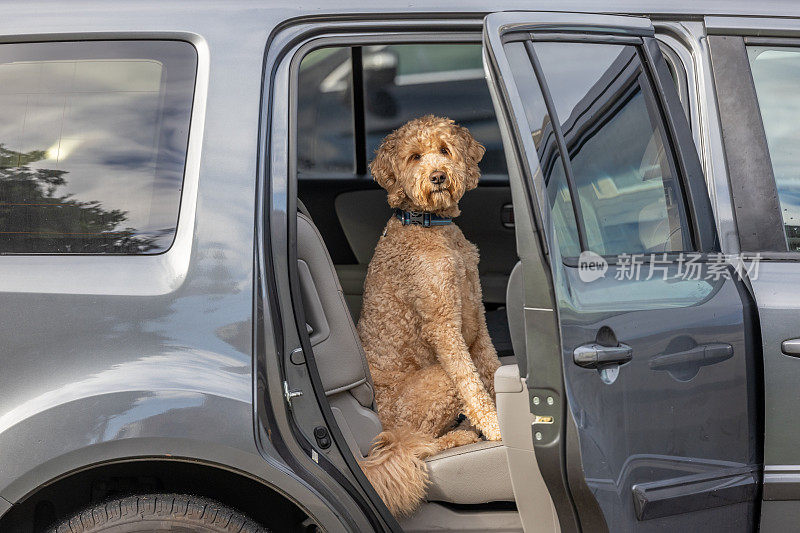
(157,513)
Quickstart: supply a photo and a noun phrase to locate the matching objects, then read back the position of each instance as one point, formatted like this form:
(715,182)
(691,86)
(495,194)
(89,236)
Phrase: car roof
(656,8)
(292,8)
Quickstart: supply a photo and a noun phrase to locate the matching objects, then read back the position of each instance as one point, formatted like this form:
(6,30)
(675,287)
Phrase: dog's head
(427,165)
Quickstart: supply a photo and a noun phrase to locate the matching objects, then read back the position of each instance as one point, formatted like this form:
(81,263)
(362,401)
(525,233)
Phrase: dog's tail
(396,468)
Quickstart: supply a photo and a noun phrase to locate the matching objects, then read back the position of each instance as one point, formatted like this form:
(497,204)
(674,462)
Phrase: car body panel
(125,357)
(774,286)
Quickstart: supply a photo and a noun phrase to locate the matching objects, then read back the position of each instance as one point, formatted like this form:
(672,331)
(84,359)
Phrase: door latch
(289,394)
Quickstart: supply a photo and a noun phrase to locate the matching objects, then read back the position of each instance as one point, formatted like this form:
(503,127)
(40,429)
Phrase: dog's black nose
(437,177)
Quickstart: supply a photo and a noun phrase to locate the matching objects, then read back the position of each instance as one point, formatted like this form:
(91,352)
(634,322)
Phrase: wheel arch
(277,506)
(173,429)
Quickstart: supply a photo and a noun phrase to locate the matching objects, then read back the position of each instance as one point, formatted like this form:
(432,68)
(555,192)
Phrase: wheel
(157,513)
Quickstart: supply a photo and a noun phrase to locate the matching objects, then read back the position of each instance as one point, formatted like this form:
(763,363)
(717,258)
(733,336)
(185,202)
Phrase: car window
(398,83)
(93,139)
(776,75)
(325,141)
(551,164)
(627,186)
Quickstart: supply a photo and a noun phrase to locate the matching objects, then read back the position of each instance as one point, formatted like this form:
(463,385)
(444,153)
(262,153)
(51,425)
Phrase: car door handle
(791,347)
(595,355)
(701,355)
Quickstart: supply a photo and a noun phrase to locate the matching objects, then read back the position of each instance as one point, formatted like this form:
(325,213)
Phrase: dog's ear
(383,168)
(473,153)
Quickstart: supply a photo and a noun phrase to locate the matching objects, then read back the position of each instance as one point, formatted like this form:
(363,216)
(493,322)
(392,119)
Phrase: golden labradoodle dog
(422,323)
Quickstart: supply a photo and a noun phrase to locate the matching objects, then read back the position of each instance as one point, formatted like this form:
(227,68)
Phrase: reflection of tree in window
(32,208)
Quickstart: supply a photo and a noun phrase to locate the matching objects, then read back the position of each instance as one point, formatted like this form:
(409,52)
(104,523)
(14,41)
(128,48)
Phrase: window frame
(658,109)
(122,274)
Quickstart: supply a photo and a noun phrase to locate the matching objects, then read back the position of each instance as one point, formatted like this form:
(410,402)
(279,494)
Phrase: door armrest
(507,380)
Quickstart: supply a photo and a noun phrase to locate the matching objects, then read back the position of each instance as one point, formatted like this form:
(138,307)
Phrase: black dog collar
(421,218)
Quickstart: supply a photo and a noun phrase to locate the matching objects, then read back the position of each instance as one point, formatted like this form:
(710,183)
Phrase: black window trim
(561,144)
(359,116)
(759,179)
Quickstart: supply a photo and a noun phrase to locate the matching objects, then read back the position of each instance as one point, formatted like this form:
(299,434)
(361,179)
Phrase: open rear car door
(642,339)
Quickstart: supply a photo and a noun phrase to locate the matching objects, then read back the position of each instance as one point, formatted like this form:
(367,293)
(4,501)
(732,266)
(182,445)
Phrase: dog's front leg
(453,355)
(485,357)
(439,307)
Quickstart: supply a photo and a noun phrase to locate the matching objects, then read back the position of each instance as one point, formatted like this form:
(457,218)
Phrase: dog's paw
(457,437)
(490,427)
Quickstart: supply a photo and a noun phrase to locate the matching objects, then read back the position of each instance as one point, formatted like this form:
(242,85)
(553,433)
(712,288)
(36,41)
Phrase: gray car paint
(115,357)
(118,354)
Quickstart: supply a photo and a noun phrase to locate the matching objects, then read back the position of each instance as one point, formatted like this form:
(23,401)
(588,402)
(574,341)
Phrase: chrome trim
(688,40)
(791,347)
(763,27)
(781,482)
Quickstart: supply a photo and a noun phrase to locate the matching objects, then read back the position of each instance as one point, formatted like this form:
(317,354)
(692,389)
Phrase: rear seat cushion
(472,474)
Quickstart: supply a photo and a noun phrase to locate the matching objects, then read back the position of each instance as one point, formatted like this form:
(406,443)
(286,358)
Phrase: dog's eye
(444,151)
(416,157)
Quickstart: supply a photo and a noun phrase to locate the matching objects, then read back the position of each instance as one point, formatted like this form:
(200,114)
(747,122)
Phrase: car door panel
(668,439)
(681,425)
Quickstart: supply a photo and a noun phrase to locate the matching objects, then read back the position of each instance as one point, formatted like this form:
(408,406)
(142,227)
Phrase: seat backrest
(516,315)
(337,349)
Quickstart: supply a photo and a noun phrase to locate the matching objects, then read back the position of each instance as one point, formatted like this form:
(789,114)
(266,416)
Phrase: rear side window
(776,75)
(93,139)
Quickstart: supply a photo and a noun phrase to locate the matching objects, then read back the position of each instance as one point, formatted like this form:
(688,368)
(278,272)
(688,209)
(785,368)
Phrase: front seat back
(337,349)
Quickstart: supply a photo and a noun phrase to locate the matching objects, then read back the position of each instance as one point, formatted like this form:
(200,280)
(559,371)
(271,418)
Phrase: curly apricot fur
(422,322)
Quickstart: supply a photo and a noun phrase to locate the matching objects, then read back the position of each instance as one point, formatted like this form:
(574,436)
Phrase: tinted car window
(93,139)
(552,165)
(443,79)
(325,143)
(399,82)
(628,190)
(776,74)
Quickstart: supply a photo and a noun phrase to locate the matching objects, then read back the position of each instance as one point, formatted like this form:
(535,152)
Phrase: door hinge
(289,394)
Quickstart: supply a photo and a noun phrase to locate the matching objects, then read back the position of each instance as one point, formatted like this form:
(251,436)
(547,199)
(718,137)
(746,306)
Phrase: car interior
(349,99)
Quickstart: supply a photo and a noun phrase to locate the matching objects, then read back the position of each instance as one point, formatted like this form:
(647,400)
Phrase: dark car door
(651,417)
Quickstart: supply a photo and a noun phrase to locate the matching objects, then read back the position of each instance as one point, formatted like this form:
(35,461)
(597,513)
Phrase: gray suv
(186,219)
